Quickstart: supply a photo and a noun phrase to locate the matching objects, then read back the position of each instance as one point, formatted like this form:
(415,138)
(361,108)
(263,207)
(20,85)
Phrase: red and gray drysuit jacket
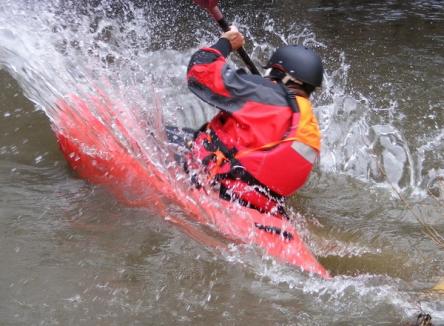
(262,145)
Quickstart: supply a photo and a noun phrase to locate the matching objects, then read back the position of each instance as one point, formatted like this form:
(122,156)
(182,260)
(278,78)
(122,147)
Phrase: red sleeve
(205,70)
(215,82)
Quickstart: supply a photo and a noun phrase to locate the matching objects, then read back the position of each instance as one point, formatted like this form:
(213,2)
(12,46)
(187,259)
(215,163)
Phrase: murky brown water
(71,255)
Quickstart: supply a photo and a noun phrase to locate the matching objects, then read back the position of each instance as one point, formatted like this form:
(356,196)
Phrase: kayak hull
(98,156)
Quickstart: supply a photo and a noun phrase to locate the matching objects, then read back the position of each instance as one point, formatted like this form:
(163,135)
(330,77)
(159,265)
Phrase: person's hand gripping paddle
(213,9)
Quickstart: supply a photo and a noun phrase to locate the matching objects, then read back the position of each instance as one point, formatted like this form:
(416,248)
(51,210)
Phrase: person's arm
(215,82)
(205,70)
(232,40)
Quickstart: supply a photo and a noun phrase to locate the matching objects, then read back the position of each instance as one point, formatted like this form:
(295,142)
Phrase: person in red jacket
(261,146)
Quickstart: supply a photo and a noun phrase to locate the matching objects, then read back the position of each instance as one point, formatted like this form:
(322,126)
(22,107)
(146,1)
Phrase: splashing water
(110,52)
(113,54)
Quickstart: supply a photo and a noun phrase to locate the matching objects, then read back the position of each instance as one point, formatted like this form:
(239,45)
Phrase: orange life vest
(282,166)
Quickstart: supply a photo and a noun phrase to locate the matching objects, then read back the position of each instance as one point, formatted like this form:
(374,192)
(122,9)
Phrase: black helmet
(299,62)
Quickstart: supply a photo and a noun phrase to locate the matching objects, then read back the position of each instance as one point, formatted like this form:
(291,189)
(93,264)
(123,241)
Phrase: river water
(72,255)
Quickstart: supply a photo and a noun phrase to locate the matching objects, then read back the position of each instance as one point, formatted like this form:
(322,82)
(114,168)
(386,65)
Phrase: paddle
(213,9)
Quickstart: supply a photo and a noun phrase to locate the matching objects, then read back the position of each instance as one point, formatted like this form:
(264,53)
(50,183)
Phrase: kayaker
(261,146)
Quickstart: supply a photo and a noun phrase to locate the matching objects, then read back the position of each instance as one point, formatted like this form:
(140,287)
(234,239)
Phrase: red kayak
(116,160)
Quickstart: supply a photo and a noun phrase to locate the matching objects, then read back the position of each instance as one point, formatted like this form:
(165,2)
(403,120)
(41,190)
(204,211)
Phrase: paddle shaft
(217,14)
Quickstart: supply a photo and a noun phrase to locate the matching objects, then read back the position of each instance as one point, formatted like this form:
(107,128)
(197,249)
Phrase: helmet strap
(289,78)
(292,103)
(284,77)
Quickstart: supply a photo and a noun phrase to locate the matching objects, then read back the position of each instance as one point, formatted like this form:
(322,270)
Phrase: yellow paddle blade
(439,286)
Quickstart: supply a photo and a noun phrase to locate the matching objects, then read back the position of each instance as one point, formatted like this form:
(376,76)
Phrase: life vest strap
(264,147)
(220,155)
(220,158)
